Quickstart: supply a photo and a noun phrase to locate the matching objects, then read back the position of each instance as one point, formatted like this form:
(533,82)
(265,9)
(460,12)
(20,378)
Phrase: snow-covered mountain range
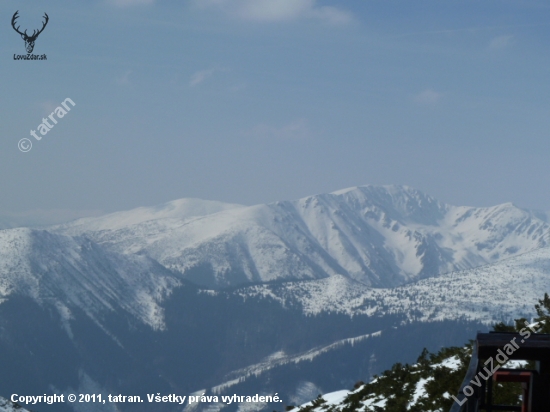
(502,291)
(381,236)
(199,295)
(494,292)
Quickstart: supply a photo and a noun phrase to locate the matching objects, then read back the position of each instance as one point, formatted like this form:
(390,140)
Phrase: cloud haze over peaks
(200,76)
(40,217)
(297,129)
(501,42)
(279,10)
(48,106)
(129,3)
(428,96)
(124,79)
(184,98)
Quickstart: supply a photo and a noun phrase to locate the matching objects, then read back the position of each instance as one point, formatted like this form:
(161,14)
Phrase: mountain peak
(403,203)
(181,209)
(378,235)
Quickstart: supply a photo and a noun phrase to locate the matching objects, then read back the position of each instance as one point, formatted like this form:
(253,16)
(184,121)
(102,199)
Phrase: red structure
(515,375)
(490,351)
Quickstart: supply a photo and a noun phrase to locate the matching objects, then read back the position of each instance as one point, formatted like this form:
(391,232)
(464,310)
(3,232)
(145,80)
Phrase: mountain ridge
(75,271)
(381,236)
(126,320)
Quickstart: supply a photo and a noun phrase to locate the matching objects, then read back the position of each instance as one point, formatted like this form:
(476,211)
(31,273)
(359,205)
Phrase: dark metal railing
(519,346)
(470,405)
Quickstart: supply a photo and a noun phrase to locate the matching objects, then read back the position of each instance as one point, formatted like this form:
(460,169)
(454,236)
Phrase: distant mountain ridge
(76,272)
(381,236)
(105,305)
(500,291)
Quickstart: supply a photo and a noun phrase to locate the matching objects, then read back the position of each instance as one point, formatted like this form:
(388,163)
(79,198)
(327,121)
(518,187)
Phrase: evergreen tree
(440,375)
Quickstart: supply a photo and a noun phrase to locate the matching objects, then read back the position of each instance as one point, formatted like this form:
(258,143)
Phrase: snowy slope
(501,291)
(281,358)
(341,400)
(75,272)
(336,245)
(339,245)
(425,386)
(177,209)
(380,236)
(7,406)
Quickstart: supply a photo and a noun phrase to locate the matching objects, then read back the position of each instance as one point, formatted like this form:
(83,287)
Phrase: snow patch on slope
(498,292)
(280,358)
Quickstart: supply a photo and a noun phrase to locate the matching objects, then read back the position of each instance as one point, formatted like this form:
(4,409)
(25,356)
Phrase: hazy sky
(252,101)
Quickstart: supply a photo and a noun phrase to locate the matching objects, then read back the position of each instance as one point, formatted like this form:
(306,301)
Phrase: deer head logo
(29,40)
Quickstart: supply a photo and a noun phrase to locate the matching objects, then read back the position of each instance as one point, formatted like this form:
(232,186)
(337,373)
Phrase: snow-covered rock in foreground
(380,236)
(8,406)
(427,386)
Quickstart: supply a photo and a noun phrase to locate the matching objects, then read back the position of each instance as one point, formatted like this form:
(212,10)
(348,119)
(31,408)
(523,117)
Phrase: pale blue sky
(252,101)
